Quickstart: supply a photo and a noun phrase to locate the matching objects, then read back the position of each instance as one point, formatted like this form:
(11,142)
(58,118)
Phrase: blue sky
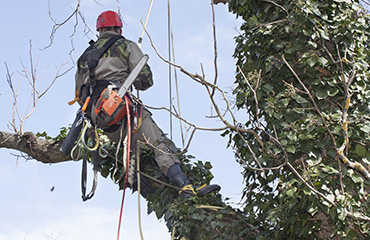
(29,210)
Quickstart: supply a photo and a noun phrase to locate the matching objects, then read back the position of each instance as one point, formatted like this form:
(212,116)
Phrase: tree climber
(110,71)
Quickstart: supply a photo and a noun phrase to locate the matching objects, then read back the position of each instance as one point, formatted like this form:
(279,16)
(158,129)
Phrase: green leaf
(322,61)
(313,162)
(329,170)
(311,61)
(207,165)
(290,193)
(316,11)
(321,93)
(366,128)
(360,150)
(268,87)
(356,178)
(299,99)
(332,92)
(290,149)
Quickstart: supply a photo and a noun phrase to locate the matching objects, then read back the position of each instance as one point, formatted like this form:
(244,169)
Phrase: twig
(268,24)
(316,192)
(36,95)
(202,81)
(278,5)
(312,100)
(254,91)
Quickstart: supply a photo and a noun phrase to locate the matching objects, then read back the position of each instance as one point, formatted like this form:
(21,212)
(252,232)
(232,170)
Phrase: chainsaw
(110,108)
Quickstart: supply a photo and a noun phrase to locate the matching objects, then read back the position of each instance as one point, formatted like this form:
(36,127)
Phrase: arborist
(108,73)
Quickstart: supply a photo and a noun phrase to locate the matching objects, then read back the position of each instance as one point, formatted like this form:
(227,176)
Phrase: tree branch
(36,148)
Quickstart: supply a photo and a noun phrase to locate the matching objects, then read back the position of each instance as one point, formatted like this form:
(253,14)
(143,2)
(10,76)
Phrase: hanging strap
(95,162)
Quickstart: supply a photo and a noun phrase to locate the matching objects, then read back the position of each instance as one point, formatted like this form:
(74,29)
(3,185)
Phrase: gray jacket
(114,66)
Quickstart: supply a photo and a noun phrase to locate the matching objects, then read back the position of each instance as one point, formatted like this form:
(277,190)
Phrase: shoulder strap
(94,56)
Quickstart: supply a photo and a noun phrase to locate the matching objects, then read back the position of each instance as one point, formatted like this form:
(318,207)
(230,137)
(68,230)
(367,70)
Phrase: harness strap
(95,162)
(94,56)
(77,98)
(92,62)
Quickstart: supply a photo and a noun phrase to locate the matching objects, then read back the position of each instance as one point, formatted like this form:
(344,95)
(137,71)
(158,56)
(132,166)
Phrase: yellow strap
(77,98)
(201,187)
(139,121)
(188,188)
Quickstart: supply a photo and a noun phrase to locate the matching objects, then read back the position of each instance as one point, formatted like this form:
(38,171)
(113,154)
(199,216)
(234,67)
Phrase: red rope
(127,162)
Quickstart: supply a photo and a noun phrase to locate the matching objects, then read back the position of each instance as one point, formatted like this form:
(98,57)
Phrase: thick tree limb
(36,148)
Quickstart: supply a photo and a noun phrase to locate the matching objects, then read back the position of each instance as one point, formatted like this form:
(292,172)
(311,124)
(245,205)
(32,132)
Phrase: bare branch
(199,79)
(36,95)
(15,96)
(58,25)
(36,148)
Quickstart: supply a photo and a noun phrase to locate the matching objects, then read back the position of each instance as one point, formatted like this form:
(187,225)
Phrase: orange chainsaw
(110,108)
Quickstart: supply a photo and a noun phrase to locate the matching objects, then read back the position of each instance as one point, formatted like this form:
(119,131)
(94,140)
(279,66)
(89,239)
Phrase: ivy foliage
(303,80)
(304,83)
(197,217)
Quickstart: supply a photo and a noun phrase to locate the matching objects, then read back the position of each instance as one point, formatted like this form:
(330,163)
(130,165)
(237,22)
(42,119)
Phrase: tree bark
(221,1)
(35,148)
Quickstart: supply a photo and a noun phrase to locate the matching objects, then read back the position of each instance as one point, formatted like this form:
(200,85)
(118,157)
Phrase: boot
(179,179)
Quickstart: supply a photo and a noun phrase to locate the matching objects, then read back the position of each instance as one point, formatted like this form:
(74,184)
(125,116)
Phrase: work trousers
(149,133)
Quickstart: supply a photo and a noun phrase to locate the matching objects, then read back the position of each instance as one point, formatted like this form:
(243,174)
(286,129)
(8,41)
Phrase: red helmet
(108,19)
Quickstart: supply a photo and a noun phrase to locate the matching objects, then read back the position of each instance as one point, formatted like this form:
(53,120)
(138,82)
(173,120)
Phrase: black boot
(179,179)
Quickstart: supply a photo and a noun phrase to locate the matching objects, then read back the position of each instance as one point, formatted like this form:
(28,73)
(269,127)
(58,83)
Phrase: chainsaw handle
(83,109)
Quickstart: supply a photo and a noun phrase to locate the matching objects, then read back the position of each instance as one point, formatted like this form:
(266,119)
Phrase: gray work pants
(149,132)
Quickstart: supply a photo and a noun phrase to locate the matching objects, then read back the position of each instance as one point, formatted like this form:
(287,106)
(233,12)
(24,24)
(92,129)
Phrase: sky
(29,209)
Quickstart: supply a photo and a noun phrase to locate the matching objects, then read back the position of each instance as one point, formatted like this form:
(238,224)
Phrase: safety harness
(93,54)
(109,110)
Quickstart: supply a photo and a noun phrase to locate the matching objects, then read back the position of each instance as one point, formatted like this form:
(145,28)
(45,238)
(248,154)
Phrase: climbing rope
(138,187)
(146,21)
(171,50)
(93,148)
(169,65)
(127,155)
(127,162)
(82,140)
(123,157)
